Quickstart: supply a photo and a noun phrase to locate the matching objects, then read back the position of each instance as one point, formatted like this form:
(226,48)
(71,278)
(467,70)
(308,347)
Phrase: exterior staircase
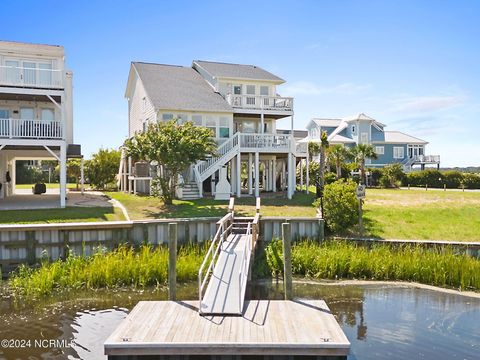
(190,191)
(226,151)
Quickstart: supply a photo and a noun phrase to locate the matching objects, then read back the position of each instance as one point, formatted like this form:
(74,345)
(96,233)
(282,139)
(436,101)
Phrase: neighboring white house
(36,115)
(239,103)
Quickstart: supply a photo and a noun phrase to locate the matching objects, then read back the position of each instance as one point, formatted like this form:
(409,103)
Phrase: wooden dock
(266,328)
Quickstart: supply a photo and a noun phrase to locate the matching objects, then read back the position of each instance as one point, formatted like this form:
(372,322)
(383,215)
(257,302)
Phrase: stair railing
(224,228)
(243,272)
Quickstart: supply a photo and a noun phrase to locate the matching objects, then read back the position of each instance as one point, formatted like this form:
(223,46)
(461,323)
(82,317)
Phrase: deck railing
(31,129)
(427,159)
(260,102)
(31,77)
(265,141)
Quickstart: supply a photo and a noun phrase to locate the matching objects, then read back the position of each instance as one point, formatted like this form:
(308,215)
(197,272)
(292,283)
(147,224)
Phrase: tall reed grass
(347,260)
(123,267)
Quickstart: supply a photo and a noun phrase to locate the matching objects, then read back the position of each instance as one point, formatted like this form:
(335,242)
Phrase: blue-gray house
(390,146)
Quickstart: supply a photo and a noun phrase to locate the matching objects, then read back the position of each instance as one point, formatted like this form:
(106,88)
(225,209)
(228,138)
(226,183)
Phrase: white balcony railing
(30,129)
(265,141)
(260,102)
(31,77)
(426,159)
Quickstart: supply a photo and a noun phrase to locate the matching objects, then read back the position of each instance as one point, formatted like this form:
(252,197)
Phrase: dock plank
(266,328)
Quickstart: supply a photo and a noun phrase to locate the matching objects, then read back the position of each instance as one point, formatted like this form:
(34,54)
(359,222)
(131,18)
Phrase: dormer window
(237,89)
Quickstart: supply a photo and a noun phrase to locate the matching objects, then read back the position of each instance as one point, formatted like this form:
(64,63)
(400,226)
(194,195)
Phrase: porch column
(274,169)
(233,176)
(284,173)
(262,121)
(250,177)
(82,175)
(63,174)
(125,171)
(301,174)
(129,182)
(308,170)
(289,176)
(257,174)
(239,175)
(13,176)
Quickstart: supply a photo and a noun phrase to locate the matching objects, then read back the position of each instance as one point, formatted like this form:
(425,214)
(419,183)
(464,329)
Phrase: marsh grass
(123,267)
(347,260)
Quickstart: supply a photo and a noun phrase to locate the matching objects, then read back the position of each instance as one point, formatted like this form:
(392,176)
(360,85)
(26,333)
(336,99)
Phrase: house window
(250,89)
(353,129)
(212,125)
(379,150)
(398,152)
(224,129)
(144,104)
(45,73)
(237,89)
(197,120)
(145,125)
(364,138)
(182,119)
(166,117)
(248,126)
(48,115)
(27,114)
(4,114)
(264,90)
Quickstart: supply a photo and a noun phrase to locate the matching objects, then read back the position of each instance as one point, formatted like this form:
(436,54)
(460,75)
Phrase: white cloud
(309,88)
(424,104)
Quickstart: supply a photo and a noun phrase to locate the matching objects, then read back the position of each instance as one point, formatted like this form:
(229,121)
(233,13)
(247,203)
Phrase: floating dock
(174,329)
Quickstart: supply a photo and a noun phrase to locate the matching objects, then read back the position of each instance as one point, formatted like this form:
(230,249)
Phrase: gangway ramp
(224,272)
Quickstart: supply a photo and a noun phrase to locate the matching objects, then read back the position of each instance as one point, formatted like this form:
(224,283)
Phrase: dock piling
(172,261)
(287,260)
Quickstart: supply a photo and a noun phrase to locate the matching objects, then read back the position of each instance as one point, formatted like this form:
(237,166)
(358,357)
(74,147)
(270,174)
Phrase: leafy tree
(102,168)
(323,157)
(338,155)
(175,147)
(74,169)
(313,149)
(360,153)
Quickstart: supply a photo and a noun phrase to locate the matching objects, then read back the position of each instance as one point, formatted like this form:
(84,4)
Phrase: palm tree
(360,153)
(323,156)
(338,154)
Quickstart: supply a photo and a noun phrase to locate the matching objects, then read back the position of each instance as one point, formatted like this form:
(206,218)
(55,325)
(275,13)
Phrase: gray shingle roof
(178,87)
(398,137)
(239,71)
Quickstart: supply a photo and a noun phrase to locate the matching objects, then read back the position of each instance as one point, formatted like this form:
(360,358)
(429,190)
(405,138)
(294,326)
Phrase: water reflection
(380,321)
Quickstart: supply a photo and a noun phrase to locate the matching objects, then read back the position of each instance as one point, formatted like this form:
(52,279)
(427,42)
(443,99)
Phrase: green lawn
(69,214)
(420,214)
(147,207)
(49,186)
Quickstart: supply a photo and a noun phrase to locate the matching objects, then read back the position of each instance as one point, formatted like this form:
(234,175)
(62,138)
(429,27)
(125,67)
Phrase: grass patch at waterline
(149,207)
(347,260)
(123,267)
(68,214)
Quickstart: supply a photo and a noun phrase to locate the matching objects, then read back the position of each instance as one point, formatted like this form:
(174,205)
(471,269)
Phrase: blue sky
(413,65)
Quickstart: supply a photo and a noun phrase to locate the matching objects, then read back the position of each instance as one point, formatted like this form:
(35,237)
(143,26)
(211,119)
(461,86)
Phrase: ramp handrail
(243,272)
(225,225)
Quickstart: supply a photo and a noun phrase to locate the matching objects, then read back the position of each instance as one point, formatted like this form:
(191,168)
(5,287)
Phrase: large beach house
(390,146)
(36,116)
(239,103)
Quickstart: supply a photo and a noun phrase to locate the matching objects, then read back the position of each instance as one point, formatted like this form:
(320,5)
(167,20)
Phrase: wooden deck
(223,295)
(303,327)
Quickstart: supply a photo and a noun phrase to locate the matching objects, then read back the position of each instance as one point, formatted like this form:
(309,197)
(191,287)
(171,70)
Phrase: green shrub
(452,178)
(392,176)
(340,205)
(471,181)
(376,175)
(274,256)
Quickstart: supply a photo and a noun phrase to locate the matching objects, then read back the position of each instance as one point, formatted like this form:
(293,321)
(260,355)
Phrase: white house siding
(138,110)
(208,119)
(226,86)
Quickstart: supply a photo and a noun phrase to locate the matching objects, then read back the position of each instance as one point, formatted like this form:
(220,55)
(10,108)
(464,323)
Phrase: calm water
(380,321)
